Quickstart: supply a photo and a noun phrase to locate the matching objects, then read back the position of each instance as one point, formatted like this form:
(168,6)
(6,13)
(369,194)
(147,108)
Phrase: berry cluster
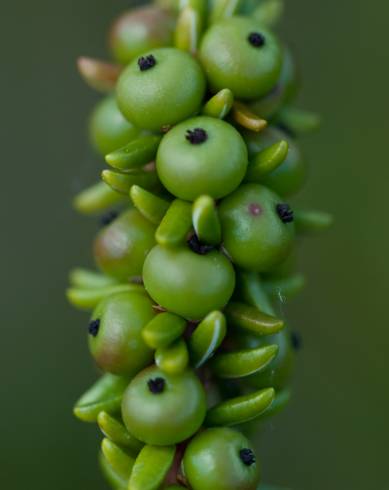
(196,252)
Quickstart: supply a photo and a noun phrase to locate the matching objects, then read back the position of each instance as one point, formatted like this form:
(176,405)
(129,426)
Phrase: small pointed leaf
(243,363)
(266,161)
(99,75)
(253,292)
(241,409)
(269,12)
(176,224)
(220,104)
(251,319)
(285,287)
(113,478)
(173,359)
(151,206)
(88,299)
(206,338)
(163,330)
(312,221)
(122,183)
(222,9)
(299,121)
(117,433)
(85,278)
(206,221)
(247,119)
(119,460)
(188,30)
(97,198)
(106,394)
(135,154)
(151,467)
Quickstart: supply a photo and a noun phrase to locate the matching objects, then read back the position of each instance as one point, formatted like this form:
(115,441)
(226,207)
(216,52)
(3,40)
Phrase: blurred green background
(335,434)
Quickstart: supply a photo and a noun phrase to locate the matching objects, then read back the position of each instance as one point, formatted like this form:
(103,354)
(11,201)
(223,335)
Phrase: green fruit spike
(119,460)
(220,104)
(135,154)
(299,121)
(224,8)
(87,299)
(207,338)
(87,279)
(244,362)
(113,478)
(151,467)
(266,161)
(269,12)
(176,224)
(188,30)
(163,330)
(148,204)
(173,359)
(241,409)
(206,220)
(285,287)
(253,320)
(96,198)
(243,116)
(122,183)
(106,394)
(99,75)
(117,433)
(312,221)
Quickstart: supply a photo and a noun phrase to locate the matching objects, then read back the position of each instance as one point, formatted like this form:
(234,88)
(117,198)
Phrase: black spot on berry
(156,385)
(107,218)
(199,248)
(285,212)
(296,340)
(196,136)
(146,62)
(256,39)
(247,456)
(94,327)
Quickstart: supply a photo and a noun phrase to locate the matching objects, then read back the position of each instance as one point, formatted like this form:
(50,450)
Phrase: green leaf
(88,299)
(173,359)
(135,154)
(206,221)
(99,75)
(87,279)
(122,183)
(266,161)
(269,12)
(241,409)
(148,204)
(151,467)
(117,433)
(117,458)
(244,362)
(310,221)
(105,395)
(163,330)
(251,319)
(176,224)
(113,478)
(97,198)
(285,287)
(299,121)
(220,104)
(206,338)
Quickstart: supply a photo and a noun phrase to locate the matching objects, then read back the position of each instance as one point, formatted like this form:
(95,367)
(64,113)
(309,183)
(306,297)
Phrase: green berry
(289,177)
(283,91)
(257,229)
(161,88)
(140,30)
(115,333)
(201,156)
(241,55)
(163,409)
(221,459)
(121,247)
(187,283)
(108,129)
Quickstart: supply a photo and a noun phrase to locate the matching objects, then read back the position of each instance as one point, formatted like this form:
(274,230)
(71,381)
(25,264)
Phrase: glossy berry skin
(121,247)
(164,94)
(214,167)
(231,61)
(186,283)
(282,93)
(290,176)
(168,415)
(212,461)
(254,235)
(117,344)
(140,30)
(108,129)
